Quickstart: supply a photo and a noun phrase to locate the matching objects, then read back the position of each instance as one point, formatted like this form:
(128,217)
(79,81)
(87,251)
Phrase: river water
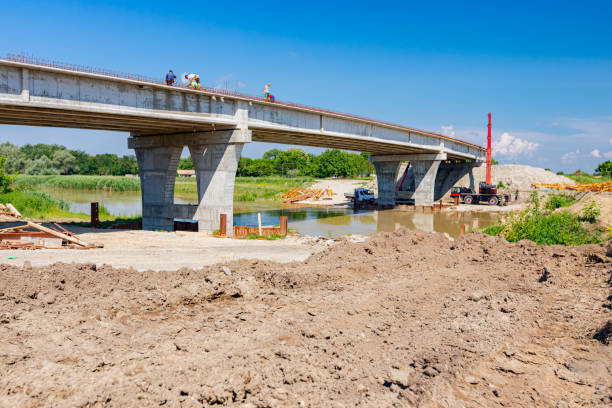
(313,221)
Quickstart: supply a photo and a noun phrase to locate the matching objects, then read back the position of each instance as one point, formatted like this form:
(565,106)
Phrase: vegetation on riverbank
(79,182)
(38,205)
(246,188)
(545,227)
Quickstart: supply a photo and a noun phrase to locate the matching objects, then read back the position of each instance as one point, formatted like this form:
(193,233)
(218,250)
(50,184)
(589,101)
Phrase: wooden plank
(13,210)
(13,228)
(68,238)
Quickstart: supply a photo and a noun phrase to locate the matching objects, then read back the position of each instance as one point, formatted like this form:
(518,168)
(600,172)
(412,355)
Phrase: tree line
(296,162)
(53,159)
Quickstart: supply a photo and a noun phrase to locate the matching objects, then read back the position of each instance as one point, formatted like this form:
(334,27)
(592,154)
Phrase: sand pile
(402,319)
(515,176)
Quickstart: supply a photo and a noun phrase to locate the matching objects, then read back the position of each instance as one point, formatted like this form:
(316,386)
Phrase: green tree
(186,163)
(605,168)
(64,162)
(41,166)
(15,161)
(6,180)
(494,162)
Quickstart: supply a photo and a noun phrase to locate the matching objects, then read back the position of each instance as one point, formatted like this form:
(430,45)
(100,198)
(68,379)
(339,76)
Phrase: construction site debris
(592,187)
(297,194)
(18,237)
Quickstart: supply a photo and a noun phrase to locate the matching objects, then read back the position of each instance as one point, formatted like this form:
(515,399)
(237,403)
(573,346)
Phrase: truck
(486,193)
(362,197)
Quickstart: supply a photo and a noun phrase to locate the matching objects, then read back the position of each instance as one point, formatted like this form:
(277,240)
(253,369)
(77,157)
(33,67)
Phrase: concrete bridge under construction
(215,125)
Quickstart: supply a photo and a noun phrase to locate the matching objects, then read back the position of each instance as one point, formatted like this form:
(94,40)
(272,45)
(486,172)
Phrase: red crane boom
(488,181)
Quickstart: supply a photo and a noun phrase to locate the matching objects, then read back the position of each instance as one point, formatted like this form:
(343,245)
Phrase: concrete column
(215,165)
(386,174)
(424,181)
(157,168)
(449,174)
(420,181)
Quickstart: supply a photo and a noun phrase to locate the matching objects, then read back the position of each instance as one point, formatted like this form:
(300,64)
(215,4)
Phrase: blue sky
(544,69)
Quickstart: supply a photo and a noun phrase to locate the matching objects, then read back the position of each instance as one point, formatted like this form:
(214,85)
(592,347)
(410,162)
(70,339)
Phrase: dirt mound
(603,202)
(402,319)
(515,176)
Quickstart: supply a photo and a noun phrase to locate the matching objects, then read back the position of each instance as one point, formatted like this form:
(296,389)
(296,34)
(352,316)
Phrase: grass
(35,204)
(41,206)
(271,237)
(545,227)
(77,182)
(246,188)
(585,178)
(555,201)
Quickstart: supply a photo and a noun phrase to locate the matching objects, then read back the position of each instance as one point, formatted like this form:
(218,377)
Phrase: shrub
(6,180)
(590,212)
(544,228)
(559,200)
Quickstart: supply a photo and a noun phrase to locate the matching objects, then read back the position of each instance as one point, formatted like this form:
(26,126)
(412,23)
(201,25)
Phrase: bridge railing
(26,59)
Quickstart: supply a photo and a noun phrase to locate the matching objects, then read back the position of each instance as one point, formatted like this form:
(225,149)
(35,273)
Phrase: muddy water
(312,221)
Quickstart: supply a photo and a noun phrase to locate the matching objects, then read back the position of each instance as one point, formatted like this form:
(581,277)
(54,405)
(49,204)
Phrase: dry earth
(403,319)
(144,250)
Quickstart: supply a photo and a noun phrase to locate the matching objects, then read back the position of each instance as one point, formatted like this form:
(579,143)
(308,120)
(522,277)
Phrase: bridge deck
(278,122)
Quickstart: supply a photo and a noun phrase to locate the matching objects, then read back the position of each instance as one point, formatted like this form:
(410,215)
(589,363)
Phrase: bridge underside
(155,125)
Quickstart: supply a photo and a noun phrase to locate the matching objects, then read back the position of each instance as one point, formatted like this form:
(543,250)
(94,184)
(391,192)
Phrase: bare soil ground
(402,319)
(603,202)
(143,250)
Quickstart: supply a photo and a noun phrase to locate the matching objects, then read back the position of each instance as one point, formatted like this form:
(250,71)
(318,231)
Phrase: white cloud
(512,146)
(595,153)
(448,130)
(608,155)
(570,157)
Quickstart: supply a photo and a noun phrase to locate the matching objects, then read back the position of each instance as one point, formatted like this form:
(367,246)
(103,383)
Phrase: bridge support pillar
(215,165)
(157,169)
(449,175)
(215,157)
(421,183)
(386,174)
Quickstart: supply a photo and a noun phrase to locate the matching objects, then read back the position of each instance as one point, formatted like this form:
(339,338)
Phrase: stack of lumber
(36,236)
(593,187)
(9,209)
(299,194)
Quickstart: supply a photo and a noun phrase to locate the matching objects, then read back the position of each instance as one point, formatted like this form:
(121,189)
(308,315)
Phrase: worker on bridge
(194,80)
(267,95)
(170,78)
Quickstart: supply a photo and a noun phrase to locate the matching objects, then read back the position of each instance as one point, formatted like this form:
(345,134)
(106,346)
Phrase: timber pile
(300,194)
(9,209)
(593,187)
(33,235)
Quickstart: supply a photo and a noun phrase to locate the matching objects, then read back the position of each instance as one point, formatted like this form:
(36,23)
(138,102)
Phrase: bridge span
(215,125)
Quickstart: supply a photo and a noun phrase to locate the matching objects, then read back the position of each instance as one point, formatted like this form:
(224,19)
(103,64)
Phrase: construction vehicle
(487,192)
(362,197)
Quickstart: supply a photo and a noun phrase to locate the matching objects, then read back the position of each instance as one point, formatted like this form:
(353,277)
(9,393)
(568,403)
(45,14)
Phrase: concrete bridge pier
(450,173)
(215,157)
(386,173)
(423,171)
(215,165)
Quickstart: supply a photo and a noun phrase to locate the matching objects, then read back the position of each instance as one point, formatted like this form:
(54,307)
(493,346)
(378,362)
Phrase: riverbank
(406,318)
(259,187)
